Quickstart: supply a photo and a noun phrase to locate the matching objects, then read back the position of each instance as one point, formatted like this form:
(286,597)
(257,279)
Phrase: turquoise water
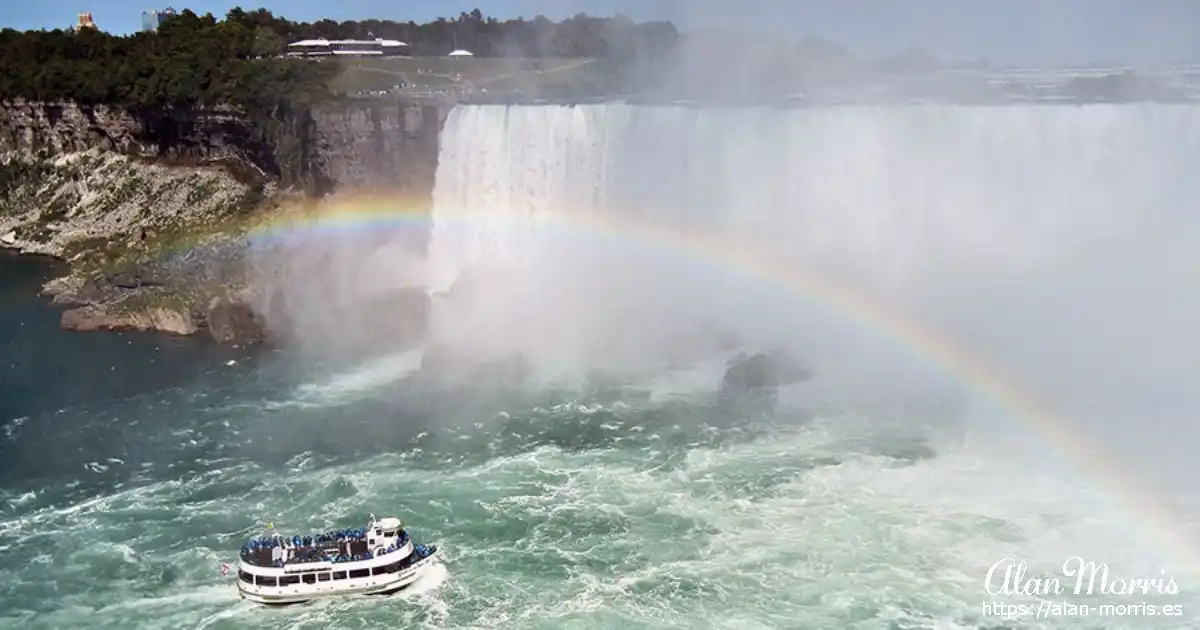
(134,465)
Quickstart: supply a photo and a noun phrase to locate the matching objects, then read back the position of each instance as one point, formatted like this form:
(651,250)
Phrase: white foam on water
(812,527)
(364,378)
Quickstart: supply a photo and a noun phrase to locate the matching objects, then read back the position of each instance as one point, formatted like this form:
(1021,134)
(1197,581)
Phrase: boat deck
(336,547)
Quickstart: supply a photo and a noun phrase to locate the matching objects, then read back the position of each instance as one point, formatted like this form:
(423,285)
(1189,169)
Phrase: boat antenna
(372,518)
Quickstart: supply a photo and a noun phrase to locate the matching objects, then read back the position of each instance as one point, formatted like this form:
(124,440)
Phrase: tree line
(195,60)
(578,36)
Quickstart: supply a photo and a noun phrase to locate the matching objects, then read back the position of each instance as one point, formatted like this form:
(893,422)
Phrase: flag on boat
(224,568)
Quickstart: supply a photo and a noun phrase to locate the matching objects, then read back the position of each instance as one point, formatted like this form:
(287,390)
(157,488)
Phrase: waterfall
(883,190)
(955,207)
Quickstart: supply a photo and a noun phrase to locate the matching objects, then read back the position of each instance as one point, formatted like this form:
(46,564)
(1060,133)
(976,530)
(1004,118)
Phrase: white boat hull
(370,585)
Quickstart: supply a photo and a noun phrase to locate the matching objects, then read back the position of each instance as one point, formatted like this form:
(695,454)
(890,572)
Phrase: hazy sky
(1007,31)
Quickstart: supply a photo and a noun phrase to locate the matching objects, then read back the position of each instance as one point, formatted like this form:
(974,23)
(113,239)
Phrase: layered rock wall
(378,144)
(171,135)
(167,189)
(375,143)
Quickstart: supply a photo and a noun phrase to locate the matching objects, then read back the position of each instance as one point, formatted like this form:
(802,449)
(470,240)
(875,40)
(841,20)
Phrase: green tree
(267,43)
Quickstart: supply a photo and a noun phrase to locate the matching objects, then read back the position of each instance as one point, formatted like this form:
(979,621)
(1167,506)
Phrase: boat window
(263,580)
(289,580)
(322,577)
(245,577)
(339,575)
(360,573)
(309,578)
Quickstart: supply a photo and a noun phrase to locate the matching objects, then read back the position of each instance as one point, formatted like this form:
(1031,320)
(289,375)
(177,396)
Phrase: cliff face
(194,136)
(146,204)
(375,144)
(365,143)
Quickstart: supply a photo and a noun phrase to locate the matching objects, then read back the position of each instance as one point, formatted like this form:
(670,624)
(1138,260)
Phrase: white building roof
(327,42)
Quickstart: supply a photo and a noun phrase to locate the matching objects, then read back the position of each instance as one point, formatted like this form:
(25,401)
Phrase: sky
(1009,32)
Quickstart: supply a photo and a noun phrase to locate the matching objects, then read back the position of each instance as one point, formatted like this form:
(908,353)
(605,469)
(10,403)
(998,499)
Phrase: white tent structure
(348,47)
(462,53)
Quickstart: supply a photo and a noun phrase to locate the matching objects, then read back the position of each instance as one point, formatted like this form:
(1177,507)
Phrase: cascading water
(880,187)
(950,211)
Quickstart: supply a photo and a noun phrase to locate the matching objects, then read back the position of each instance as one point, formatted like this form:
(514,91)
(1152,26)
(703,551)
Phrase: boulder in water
(177,321)
(762,370)
(233,321)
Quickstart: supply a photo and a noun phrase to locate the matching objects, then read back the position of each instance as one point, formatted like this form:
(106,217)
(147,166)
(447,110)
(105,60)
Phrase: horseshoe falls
(1007,229)
(997,306)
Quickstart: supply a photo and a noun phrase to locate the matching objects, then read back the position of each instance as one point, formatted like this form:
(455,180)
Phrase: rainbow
(374,213)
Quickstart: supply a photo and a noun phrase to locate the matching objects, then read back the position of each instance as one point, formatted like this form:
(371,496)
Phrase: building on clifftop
(151,20)
(85,21)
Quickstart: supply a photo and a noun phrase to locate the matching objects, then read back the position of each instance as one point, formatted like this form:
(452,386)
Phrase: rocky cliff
(373,143)
(377,144)
(168,135)
(150,206)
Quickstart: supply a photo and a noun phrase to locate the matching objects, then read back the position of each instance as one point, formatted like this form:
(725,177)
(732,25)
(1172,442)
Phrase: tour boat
(375,560)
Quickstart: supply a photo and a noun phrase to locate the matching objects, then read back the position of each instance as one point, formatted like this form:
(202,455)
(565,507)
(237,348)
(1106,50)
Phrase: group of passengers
(316,548)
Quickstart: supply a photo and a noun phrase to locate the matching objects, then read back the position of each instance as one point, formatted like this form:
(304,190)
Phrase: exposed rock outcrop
(763,370)
(232,321)
(95,203)
(97,303)
(177,321)
(139,235)
(148,205)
